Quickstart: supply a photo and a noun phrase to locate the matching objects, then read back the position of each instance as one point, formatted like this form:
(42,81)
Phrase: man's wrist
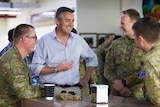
(55,70)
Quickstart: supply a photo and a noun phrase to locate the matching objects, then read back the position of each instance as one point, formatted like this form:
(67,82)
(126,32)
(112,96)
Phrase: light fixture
(13,8)
(6,12)
(48,13)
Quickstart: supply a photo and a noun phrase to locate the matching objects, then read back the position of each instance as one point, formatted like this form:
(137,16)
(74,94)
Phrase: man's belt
(67,86)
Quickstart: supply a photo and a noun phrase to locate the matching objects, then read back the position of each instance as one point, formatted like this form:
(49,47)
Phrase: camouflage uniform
(122,61)
(15,81)
(85,90)
(151,73)
(101,52)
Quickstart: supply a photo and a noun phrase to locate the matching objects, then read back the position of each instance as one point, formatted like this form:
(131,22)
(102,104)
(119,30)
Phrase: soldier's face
(32,40)
(126,25)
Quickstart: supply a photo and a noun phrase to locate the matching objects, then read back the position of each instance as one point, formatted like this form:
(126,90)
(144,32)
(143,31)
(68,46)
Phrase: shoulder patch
(142,74)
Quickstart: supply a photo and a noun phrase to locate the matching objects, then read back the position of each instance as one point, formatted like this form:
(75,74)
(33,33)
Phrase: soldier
(122,61)
(101,52)
(15,82)
(82,69)
(146,31)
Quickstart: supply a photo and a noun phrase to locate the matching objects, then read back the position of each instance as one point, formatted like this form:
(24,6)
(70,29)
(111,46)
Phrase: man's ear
(24,39)
(141,40)
(57,21)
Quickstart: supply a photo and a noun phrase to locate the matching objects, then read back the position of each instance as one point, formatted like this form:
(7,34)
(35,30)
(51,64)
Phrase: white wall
(99,16)
(135,4)
(103,16)
(3,33)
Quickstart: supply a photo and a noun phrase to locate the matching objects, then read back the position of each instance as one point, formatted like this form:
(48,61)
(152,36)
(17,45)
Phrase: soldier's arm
(93,78)
(101,57)
(109,65)
(20,82)
(152,88)
(133,79)
(152,82)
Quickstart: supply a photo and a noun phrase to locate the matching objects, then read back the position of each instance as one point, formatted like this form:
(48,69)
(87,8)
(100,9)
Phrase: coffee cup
(49,91)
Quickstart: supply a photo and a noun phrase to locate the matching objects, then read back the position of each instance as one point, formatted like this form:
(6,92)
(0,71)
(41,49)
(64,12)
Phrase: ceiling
(4,0)
(18,0)
(12,7)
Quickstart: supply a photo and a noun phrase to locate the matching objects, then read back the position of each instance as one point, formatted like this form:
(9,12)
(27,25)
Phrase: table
(114,101)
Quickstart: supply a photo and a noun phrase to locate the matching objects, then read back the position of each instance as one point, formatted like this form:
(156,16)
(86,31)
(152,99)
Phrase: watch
(124,82)
(55,70)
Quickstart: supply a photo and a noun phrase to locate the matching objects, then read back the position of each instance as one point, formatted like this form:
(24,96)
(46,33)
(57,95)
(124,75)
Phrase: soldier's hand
(125,92)
(117,85)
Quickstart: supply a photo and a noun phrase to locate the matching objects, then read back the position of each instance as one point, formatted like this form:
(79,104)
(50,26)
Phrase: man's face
(126,25)
(66,23)
(110,40)
(32,40)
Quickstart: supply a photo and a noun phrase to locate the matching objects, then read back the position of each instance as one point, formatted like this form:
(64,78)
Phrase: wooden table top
(114,101)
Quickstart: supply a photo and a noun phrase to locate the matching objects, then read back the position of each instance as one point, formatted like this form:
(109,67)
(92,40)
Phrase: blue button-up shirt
(50,51)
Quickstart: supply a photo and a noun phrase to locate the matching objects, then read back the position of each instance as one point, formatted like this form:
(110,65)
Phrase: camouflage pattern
(86,90)
(151,67)
(122,61)
(15,81)
(101,53)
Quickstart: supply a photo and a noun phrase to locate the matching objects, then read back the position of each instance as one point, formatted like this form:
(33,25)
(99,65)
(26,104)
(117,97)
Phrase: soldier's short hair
(20,30)
(148,28)
(132,13)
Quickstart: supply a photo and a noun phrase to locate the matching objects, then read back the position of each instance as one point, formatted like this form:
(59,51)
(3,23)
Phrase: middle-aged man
(122,61)
(147,35)
(15,80)
(57,55)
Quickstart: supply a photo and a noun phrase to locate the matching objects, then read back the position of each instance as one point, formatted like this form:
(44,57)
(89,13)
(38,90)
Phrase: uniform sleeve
(152,82)
(93,78)
(20,82)
(82,68)
(135,77)
(101,59)
(109,65)
(135,68)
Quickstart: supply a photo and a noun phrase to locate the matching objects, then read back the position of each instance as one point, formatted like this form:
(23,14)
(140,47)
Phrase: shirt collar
(55,35)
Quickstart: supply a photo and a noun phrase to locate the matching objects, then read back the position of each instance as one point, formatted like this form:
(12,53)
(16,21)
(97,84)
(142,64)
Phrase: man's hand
(65,66)
(83,82)
(117,85)
(125,92)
